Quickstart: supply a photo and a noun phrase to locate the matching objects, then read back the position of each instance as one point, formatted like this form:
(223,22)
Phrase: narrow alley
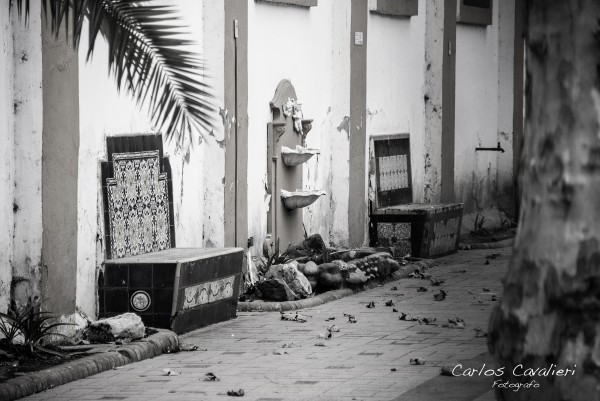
(276,360)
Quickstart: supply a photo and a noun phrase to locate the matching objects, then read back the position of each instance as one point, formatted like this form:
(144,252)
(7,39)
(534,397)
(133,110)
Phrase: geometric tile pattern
(395,235)
(206,293)
(393,172)
(138,205)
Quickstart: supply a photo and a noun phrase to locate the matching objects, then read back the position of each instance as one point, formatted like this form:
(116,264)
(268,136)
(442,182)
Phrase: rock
(127,326)
(394,266)
(275,290)
(383,268)
(301,267)
(311,269)
(343,266)
(290,274)
(356,277)
(330,276)
(301,286)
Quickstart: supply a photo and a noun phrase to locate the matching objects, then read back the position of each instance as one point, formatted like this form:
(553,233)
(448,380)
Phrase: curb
(487,245)
(162,342)
(262,306)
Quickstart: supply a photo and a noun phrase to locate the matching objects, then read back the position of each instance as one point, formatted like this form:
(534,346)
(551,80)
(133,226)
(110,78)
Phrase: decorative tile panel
(138,205)
(393,172)
(206,293)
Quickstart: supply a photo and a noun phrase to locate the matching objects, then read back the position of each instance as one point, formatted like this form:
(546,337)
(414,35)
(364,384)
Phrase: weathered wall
(394,84)
(20,156)
(6,157)
(484,100)
(310,47)
(27,208)
(197,169)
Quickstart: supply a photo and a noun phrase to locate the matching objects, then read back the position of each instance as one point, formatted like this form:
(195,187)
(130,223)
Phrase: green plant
(277,258)
(9,330)
(150,55)
(32,324)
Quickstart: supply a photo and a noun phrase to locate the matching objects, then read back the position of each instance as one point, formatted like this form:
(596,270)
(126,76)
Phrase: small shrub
(33,325)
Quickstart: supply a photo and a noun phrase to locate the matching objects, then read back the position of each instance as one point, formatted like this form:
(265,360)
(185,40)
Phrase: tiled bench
(432,229)
(177,288)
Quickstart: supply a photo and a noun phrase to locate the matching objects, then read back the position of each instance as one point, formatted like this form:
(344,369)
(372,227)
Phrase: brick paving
(355,364)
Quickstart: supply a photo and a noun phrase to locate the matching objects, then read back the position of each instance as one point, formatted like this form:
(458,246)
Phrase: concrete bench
(177,288)
(432,230)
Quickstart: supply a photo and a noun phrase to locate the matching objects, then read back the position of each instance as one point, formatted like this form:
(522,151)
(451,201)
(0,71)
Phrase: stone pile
(316,268)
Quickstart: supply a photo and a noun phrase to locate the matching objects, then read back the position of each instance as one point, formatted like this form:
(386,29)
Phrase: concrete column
(357,203)
(60,152)
(505,10)
(438,96)
(235,118)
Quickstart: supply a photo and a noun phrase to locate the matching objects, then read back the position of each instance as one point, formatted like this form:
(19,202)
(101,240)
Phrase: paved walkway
(272,359)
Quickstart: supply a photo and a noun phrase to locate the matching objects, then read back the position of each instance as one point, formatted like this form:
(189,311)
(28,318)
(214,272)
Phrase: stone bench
(432,230)
(177,288)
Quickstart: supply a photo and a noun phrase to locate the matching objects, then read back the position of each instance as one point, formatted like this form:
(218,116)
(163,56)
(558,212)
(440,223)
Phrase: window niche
(474,12)
(395,8)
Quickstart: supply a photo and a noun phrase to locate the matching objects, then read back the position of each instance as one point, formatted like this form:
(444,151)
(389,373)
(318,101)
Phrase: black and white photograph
(297,200)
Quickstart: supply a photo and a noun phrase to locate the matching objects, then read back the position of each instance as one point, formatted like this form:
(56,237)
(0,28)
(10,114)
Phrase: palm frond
(149,56)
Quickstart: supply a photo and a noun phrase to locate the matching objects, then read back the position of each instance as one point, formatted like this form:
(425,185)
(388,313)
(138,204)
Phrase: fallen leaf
(333,329)
(436,282)
(426,320)
(329,318)
(422,289)
(169,372)
(351,318)
(404,316)
(187,347)
(446,371)
(293,317)
(236,393)
(290,345)
(319,345)
(417,361)
(210,377)
(440,296)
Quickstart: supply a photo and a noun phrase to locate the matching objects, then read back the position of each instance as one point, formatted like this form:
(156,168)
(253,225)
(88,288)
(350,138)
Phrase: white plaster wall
(395,83)
(484,71)
(28,106)
(20,155)
(309,47)
(6,157)
(197,169)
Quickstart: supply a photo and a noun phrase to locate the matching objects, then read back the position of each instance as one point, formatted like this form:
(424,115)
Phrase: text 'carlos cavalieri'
(518,371)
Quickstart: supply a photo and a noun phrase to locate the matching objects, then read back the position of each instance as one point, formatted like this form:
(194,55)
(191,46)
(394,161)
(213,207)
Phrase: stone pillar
(438,97)
(357,202)
(60,152)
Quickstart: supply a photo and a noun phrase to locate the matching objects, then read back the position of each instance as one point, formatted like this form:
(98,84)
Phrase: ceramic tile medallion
(393,172)
(206,293)
(138,205)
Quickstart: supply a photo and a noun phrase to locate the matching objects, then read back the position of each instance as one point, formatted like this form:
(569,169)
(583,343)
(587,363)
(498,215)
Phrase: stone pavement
(272,359)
